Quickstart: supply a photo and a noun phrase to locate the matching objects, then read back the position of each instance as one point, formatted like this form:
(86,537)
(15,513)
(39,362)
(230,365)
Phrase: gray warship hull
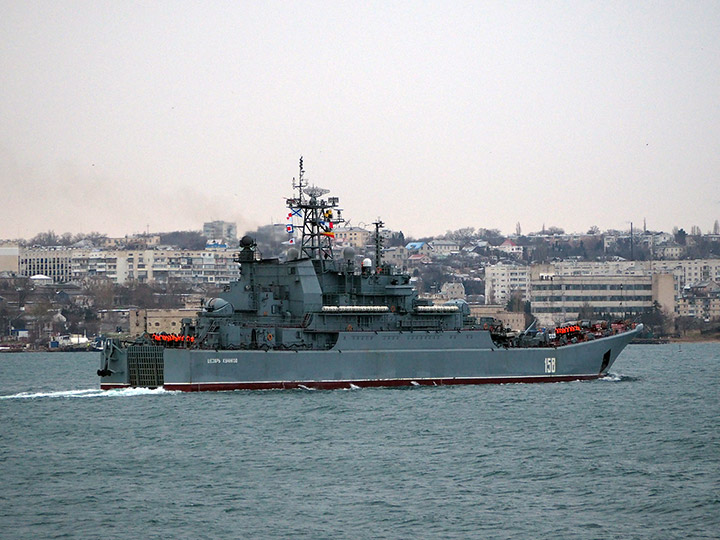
(315,318)
(361,359)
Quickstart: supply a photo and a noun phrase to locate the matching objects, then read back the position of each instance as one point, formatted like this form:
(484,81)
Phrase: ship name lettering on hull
(222,360)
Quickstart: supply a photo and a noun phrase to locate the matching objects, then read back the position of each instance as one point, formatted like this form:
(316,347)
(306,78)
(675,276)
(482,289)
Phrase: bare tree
(102,292)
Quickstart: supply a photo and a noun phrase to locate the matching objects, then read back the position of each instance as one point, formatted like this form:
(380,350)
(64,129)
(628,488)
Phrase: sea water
(633,455)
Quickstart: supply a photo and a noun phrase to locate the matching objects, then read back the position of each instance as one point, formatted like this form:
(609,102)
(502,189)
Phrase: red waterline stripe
(334,385)
(113,386)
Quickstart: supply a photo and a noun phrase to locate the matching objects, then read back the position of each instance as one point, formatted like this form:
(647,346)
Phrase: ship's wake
(616,377)
(90,393)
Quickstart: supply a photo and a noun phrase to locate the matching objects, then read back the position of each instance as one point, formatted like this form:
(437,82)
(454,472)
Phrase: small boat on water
(69,342)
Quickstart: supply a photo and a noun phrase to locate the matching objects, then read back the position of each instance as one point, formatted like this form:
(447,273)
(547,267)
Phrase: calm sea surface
(634,455)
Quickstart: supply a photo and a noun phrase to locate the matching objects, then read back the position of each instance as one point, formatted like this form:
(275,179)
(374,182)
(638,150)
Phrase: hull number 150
(550,365)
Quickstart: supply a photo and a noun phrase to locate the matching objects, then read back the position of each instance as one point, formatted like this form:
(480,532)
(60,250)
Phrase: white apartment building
(54,262)
(163,266)
(120,266)
(502,279)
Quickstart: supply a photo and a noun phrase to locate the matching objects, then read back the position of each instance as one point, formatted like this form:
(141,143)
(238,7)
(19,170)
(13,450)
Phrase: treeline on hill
(190,240)
(540,246)
(66,239)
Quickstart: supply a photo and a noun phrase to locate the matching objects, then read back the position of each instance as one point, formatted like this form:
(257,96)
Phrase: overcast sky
(122,117)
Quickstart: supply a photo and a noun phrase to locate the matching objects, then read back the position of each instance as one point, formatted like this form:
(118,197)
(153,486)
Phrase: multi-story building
(163,266)
(120,266)
(352,236)
(701,301)
(420,248)
(691,271)
(556,298)
(168,321)
(452,290)
(220,230)
(9,258)
(671,251)
(53,262)
(95,264)
(444,248)
(502,279)
(685,272)
(397,255)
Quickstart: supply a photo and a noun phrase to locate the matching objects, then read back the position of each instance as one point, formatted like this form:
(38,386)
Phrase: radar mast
(378,243)
(319,217)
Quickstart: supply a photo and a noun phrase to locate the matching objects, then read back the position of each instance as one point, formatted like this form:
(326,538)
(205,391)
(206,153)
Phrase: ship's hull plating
(417,359)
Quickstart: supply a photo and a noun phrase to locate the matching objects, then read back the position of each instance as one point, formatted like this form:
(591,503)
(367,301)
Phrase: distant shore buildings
(668,278)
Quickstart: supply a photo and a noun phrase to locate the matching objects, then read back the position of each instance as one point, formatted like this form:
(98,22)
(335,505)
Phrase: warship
(317,319)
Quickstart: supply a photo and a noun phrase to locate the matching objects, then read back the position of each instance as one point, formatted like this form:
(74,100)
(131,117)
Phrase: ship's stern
(136,365)
(113,370)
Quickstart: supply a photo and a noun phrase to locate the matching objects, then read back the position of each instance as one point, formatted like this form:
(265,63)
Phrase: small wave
(90,393)
(303,387)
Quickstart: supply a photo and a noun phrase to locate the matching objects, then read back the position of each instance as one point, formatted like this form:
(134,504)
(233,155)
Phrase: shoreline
(650,341)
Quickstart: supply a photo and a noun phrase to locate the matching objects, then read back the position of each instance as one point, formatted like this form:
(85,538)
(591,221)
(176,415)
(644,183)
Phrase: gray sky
(122,116)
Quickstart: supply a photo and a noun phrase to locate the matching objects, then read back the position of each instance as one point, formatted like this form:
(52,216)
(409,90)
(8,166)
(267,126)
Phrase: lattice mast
(319,217)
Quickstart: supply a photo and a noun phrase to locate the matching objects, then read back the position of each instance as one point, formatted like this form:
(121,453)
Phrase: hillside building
(444,248)
(502,279)
(356,237)
(701,300)
(220,230)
